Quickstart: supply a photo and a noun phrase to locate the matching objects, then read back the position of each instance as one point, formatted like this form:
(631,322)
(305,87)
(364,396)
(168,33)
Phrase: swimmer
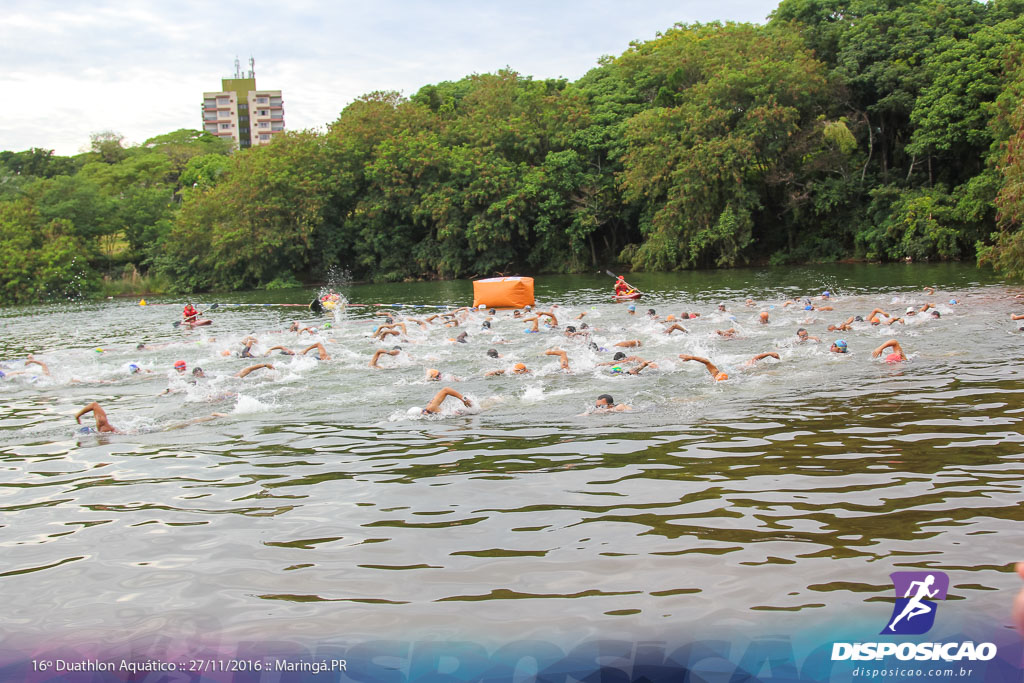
(562,355)
(838,346)
(198,372)
(383,352)
(247,345)
(721,307)
(606,404)
(493,353)
(631,309)
(629,344)
(803,336)
(435,403)
(728,334)
(712,368)
(180,367)
(251,368)
(763,317)
(753,361)
(460,339)
(652,314)
(674,327)
(517,369)
(873,316)
(102,423)
(533,320)
(386,329)
(617,369)
(845,326)
(285,351)
(41,364)
(897,356)
(549,314)
(319,347)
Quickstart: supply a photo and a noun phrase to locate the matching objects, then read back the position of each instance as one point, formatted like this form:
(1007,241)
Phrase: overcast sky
(69,69)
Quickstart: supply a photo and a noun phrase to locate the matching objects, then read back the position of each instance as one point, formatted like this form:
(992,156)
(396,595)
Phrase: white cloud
(140,68)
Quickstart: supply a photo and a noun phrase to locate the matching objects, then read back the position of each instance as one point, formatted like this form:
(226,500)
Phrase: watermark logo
(915,608)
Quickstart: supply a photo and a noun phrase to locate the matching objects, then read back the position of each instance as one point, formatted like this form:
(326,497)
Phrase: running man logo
(916,592)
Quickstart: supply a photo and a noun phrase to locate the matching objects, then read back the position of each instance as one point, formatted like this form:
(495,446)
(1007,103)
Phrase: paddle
(627,284)
(316,306)
(177,323)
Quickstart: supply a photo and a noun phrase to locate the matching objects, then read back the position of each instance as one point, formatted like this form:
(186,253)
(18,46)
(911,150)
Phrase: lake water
(325,505)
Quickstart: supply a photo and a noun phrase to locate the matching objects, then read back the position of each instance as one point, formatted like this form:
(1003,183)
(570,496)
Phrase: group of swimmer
(396,327)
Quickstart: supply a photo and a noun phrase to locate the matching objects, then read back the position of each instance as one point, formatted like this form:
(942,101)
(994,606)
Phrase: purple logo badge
(916,592)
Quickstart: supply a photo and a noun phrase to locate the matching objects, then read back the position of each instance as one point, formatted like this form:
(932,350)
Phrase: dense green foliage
(868,129)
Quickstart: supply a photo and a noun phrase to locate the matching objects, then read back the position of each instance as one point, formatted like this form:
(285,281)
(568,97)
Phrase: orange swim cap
(519,367)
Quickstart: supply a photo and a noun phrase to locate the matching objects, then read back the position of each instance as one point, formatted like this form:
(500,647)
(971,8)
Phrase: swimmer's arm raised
(251,368)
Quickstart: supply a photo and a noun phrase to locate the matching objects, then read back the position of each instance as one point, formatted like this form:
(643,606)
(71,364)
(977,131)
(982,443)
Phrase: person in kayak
(190,314)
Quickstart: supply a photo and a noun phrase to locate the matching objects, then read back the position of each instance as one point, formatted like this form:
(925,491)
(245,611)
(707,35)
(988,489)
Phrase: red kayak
(627,297)
(199,323)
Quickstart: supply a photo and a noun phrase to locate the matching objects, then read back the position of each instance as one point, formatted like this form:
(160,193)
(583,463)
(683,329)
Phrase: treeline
(840,129)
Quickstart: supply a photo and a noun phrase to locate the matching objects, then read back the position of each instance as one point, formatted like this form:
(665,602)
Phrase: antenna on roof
(238,68)
(252,67)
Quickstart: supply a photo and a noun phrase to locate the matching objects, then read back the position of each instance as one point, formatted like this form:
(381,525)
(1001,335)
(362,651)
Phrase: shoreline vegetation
(838,130)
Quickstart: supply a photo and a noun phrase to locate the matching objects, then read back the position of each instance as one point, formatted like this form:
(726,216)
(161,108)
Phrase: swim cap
(179,365)
(808,308)
(99,350)
(840,343)
(327,325)
(133,368)
(859,319)
(493,353)
(616,369)
(482,307)
(3,374)
(826,293)
(433,374)
(910,309)
(953,302)
(893,358)
(631,307)
(519,367)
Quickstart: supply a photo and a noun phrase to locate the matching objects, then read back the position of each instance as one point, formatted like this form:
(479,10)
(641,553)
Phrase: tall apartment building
(248,116)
